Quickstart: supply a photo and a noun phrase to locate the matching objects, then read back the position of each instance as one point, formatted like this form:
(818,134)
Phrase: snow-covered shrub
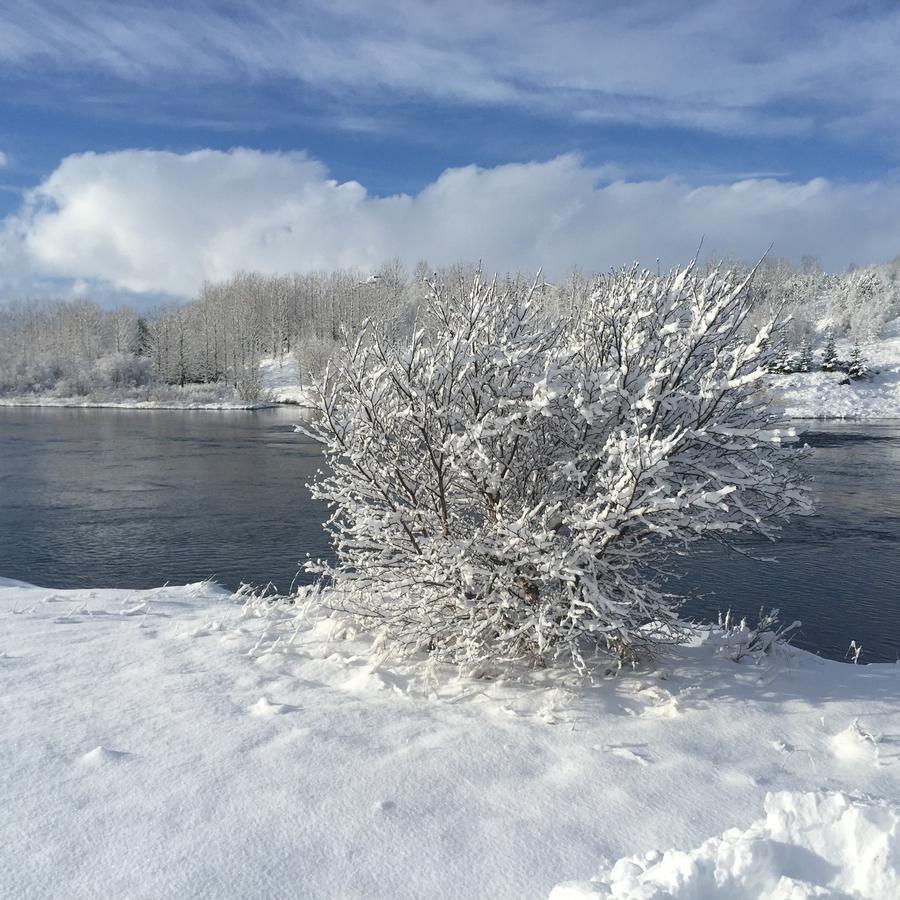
(20,376)
(312,355)
(507,485)
(744,641)
(248,382)
(117,370)
(77,381)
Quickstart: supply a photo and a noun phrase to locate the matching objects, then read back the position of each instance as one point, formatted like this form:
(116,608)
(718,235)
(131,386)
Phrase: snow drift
(811,844)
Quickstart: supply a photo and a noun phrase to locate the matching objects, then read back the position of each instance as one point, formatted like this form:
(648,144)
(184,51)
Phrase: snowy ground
(192,396)
(172,743)
(78,403)
(282,383)
(818,395)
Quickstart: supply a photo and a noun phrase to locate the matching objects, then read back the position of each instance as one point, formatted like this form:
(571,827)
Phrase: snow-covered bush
(122,370)
(248,382)
(20,376)
(312,354)
(507,485)
(745,641)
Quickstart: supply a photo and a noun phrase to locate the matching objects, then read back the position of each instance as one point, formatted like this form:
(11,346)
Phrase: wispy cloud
(149,221)
(731,66)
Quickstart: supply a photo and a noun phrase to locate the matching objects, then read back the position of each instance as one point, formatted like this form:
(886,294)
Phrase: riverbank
(831,395)
(813,395)
(174,742)
(280,385)
(78,403)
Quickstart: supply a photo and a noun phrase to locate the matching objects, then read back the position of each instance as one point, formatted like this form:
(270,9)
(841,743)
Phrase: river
(123,498)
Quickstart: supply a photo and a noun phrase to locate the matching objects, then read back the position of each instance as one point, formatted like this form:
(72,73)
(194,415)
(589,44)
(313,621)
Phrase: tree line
(219,337)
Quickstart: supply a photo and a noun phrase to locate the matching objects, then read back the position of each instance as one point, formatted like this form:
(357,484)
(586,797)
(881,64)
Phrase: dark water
(837,571)
(119,498)
(126,498)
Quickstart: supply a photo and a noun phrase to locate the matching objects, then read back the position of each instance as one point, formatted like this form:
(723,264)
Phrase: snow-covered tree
(805,357)
(858,367)
(506,484)
(830,361)
(784,361)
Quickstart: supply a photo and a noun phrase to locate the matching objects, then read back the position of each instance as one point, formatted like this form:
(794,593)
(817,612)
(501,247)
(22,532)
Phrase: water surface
(124,498)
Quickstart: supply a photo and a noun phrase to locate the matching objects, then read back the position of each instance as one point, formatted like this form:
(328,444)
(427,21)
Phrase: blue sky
(647,103)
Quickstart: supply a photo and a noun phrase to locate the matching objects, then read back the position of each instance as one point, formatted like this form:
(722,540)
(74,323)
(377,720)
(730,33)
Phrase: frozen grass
(280,384)
(191,396)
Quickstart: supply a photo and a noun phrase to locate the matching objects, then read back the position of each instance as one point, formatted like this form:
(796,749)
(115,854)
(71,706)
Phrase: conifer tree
(805,357)
(830,362)
(858,368)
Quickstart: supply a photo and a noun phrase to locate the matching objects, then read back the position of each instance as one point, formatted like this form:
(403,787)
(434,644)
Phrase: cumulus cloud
(149,221)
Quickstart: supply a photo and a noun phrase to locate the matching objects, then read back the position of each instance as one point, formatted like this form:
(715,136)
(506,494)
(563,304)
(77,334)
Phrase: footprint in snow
(101,756)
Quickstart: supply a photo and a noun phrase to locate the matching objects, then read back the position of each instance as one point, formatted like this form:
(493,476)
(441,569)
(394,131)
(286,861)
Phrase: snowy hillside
(281,382)
(173,742)
(821,395)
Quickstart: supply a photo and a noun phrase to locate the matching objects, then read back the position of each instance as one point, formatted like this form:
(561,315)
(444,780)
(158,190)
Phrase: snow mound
(808,845)
(854,744)
(100,756)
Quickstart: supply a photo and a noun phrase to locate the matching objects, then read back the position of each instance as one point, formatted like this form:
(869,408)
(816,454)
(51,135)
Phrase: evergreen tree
(805,359)
(830,362)
(858,367)
(783,362)
(140,344)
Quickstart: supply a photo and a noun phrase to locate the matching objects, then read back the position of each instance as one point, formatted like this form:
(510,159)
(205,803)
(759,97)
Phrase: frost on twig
(507,484)
(743,641)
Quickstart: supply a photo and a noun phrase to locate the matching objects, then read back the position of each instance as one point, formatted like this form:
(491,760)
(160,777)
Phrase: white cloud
(4,160)
(765,66)
(153,221)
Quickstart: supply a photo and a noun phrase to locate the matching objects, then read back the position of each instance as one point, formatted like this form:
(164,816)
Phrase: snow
(819,395)
(282,382)
(813,844)
(79,403)
(182,742)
